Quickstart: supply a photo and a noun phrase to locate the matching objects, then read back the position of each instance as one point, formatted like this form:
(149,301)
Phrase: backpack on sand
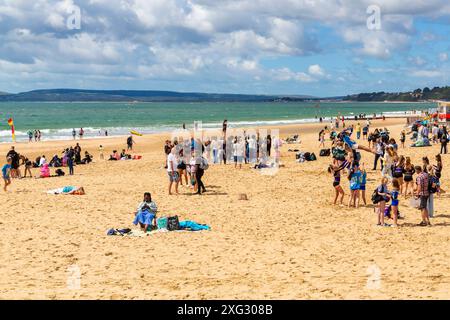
(325,152)
(376,197)
(173,223)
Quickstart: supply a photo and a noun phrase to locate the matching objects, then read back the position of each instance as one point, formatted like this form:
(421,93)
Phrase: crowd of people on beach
(69,158)
(399,176)
(190,158)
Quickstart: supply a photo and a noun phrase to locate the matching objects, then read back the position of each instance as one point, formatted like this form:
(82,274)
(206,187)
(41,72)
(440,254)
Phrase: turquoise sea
(56,120)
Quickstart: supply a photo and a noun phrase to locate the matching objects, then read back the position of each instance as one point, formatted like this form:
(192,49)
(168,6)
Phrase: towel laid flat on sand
(67,190)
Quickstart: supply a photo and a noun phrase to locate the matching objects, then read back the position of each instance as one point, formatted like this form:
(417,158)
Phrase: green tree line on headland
(436,93)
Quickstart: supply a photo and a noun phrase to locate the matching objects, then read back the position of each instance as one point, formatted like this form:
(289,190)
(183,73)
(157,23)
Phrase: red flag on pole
(11,124)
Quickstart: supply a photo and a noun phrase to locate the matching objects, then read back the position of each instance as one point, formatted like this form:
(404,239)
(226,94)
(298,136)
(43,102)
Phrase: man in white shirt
(172,170)
(238,152)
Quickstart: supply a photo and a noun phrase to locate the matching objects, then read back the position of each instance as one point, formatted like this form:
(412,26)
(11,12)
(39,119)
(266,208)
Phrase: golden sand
(286,242)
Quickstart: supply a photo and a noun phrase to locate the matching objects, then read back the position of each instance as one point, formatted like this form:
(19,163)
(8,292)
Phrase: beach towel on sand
(193,226)
(63,190)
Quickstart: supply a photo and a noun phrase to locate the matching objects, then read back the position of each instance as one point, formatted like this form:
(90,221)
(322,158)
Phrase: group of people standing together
(184,160)
(36,134)
(399,177)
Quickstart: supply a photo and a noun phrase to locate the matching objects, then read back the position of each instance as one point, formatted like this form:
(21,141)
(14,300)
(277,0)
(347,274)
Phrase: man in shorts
(423,193)
(172,170)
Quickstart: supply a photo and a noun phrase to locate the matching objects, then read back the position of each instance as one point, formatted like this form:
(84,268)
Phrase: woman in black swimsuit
(403,138)
(397,171)
(408,172)
(336,171)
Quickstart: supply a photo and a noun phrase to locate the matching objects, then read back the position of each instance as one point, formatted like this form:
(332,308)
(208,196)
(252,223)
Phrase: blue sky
(314,47)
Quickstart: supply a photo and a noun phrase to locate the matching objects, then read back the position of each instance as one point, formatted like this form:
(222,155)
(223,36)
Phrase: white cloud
(443,56)
(316,70)
(200,40)
(426,73)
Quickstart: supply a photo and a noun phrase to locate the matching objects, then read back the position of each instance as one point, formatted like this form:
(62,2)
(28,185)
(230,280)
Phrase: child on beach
(403,138)
(362,186)
(388,160)
(100,150)
(408,172)
(398,169)
(6,173)
(394,200)
(383,193)
(355,184)
(337,183)
(28,166)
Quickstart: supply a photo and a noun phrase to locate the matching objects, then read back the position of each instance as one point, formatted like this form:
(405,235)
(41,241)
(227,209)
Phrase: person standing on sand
(238,152)
(100,149)
(444,140)
(70,155)
(74,134)
(30,136)
(172,170)
(422,192)
(130,143)
(394,200)
(358,131)
(336,171)
(6,171)
(362,186)
(224,136)
(201,164)
(355,183)
(365,130)
(408,172)
(383,193)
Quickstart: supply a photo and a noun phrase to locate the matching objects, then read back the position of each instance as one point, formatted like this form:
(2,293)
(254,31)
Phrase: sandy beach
(286,242)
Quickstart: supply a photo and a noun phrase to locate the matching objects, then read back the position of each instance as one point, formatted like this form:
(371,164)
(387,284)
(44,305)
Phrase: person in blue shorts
(362,186)
(394,200)
(355,184)
(6,173)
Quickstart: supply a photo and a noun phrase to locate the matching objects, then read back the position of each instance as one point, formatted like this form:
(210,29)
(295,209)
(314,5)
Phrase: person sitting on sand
(114,156)
(44,171)
(55,162)
(145,214)
(87,158)
(42,161)
(124,155)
